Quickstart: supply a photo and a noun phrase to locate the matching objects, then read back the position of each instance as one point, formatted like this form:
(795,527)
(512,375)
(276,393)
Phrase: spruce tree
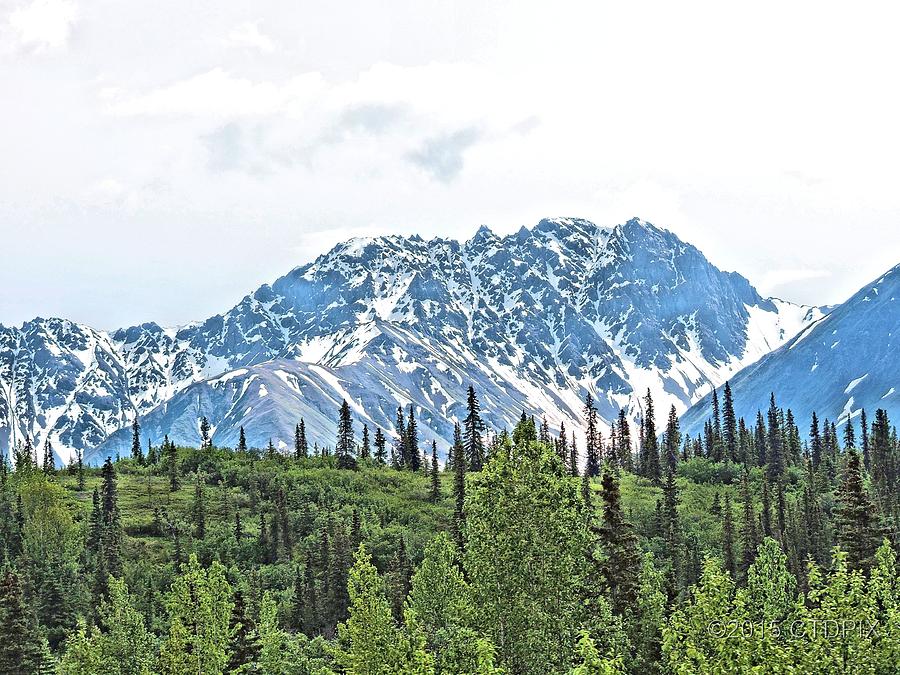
(365,450)
(112,528)
(399,448)
(345,447)
(79,468)
(301,447)
(459,486)
(623,432)
(864,439)
(728,533)
(137,453)
(171,454)
(815,442)
(759,440)
(472,429)
(242,441)
(849,435)
(621,563)
(560,445)
(238,527)
(650,465)
(592,466)
(730,425)
(766,512)
(245,645)
(749,538)
(413,460)
(435,494)
(774,442)
(21,648)
(380,447)
(672,440)
(49,466)
(205,441)
(859,531)
(573,457)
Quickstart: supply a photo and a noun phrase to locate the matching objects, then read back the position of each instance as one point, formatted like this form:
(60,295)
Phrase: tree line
(748,546)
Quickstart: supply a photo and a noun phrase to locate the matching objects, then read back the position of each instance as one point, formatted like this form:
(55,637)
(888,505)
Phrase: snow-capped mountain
(533,320)
(845,362)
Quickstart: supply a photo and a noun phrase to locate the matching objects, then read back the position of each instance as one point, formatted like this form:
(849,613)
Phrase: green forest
(753,547)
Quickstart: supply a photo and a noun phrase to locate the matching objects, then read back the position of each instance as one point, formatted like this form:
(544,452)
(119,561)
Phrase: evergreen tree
(137,453)
(413,460)
(815,442)
(380,447)
(774,444)
(562,445)
(345,447)
(245,646)
(624,441)
(765,515)
(573,457)
(592,467)
(79,468)
(730,425)
(301,447)
(111,529)
(49,466)
(459,486)
(759,440)
(242,441)
(21,649)
(864,439)
(205,441)
(171,464)
(748,525)
(649,455)
(435,494)
(849,435)
(399,449)
(238,527)
(366,450)
(472,429)
(621,564)
(728,534)
(672,440)
(859,532)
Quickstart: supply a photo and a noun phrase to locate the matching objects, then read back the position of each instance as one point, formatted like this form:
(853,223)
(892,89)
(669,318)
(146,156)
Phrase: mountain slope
(846,361)
(534,320)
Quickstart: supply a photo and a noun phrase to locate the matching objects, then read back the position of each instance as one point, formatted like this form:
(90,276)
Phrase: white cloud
(217,93)
(766,136)
(248,35)
(43,25)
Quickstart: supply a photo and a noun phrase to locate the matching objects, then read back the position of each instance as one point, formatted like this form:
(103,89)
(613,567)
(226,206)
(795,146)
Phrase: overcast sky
(159,160)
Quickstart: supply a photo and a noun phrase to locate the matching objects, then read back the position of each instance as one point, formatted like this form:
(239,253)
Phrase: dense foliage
(745,549)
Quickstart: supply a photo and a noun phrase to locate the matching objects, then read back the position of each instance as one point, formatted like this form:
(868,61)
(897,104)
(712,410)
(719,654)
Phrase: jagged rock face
(845,362)
(533,320)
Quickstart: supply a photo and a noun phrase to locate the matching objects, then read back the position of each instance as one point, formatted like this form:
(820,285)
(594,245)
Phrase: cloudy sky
(158,160)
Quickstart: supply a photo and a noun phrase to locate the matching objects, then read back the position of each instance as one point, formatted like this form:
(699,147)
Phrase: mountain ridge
(533,319)
(823,368)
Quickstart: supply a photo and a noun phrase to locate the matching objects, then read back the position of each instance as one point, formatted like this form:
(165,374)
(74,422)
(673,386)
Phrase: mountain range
(533,320)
